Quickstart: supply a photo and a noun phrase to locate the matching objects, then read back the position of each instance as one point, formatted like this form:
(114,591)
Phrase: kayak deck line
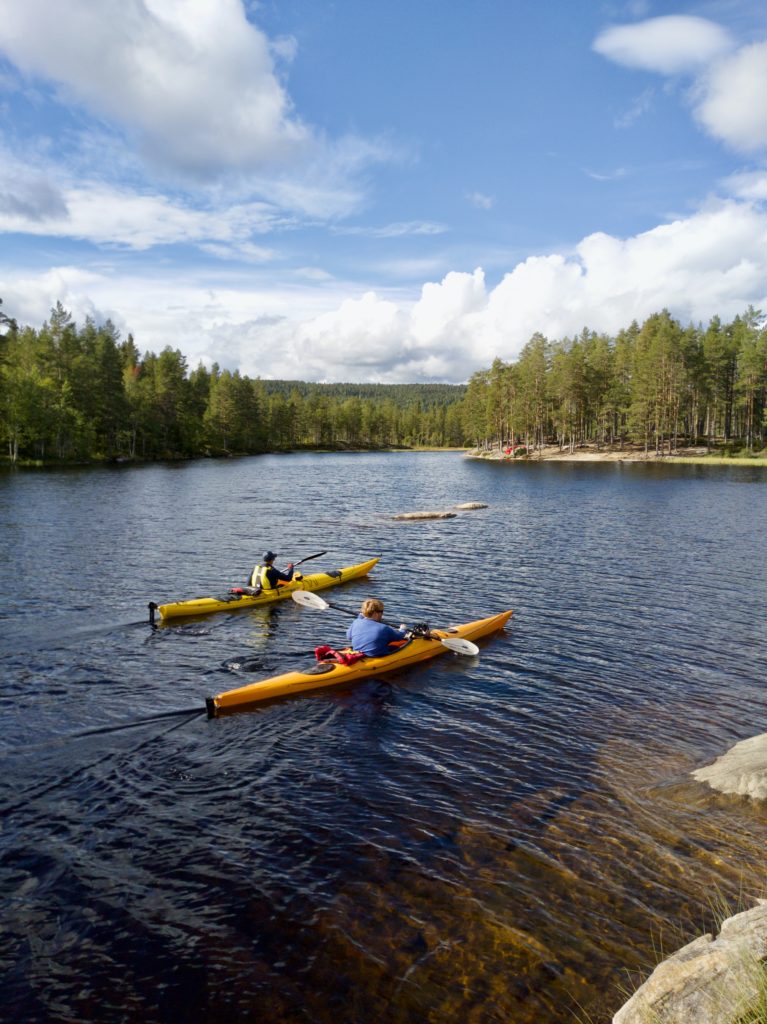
(234,602)
(326,674)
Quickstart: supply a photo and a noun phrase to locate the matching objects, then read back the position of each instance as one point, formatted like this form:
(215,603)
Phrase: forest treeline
(402,395)
(79,393)
(660,385)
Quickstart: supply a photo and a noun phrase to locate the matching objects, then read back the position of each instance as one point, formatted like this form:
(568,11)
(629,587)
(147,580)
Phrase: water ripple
(482,839)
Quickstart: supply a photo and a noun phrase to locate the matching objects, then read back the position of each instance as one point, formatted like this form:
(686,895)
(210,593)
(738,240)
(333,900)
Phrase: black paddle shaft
(309,558)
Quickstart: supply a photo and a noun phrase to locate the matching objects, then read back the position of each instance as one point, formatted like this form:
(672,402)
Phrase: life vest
(259,576)
(345,657)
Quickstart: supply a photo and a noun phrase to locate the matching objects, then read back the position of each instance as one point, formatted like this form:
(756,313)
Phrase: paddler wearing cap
(267,576)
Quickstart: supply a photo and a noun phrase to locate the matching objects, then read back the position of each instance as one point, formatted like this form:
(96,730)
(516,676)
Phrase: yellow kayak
(231,602)
(325,674)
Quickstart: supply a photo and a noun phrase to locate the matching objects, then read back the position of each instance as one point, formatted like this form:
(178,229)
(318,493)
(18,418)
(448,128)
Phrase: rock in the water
(742,770)
(425,515)
(708,981)
(471,504)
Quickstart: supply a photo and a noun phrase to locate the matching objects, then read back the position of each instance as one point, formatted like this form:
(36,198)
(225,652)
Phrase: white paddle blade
(459,646)
(309,600)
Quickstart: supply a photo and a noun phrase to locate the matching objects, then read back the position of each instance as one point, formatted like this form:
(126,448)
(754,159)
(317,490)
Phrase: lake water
(501,838)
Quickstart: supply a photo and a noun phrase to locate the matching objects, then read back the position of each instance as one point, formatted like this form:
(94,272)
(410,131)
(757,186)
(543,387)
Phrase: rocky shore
(722,979)
(711,980)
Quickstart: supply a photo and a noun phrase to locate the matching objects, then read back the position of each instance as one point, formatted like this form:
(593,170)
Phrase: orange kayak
(326,674)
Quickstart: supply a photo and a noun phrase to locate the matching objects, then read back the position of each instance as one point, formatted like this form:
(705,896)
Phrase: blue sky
(388,192)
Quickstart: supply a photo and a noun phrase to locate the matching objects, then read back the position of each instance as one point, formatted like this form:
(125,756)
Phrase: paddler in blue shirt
(371,636)
(268,576)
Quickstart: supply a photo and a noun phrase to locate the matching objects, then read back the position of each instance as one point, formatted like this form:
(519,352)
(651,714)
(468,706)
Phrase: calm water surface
(504,838)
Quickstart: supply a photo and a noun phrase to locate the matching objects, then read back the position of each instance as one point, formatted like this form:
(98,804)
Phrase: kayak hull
(233,602)
(326,675)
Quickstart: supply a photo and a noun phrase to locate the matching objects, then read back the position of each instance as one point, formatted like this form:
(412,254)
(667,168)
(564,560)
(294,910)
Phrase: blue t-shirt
(373,638)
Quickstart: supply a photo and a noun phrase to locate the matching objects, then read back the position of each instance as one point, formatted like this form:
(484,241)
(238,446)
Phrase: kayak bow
(325,674)
(231,602)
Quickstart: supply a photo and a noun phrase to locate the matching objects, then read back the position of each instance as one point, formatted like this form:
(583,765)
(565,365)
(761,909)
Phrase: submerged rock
(425,515)
(471,504)
(708,981)
(741,771)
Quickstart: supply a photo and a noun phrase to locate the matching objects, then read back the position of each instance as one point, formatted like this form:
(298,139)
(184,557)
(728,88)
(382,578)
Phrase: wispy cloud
(242,252)
(312,274)
(638,109)
(617,174)
(398,230)
(751,185)
(480,200)
(411,269)
(121,217)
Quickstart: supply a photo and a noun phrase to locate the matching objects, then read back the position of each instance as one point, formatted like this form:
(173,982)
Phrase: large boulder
(710,980)
(742,770)
(471,504)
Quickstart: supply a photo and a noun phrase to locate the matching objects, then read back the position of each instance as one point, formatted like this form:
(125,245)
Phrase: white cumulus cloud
(713,262)
(442,305)
(193,80)
(729,84)
(670,45)
(733,99)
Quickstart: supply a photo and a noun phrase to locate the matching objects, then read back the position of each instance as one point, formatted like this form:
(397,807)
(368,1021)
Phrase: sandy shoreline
(629,453)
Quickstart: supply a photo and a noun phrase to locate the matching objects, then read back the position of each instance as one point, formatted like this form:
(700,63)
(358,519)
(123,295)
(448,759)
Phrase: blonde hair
(371,606)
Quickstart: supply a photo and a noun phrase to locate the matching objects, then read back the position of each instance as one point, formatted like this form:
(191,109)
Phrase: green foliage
(70,393)
(402,395)
(658,385)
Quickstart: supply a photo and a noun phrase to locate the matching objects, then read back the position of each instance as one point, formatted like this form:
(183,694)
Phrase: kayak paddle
(308,558)
(311,600)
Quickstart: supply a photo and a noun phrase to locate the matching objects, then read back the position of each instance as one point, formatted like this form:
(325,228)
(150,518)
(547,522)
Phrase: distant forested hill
(402,395)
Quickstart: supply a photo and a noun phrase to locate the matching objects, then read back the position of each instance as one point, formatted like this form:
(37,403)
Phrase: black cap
(268,556)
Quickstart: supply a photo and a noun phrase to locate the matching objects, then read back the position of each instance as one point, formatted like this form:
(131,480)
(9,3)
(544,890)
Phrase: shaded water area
(512,837)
